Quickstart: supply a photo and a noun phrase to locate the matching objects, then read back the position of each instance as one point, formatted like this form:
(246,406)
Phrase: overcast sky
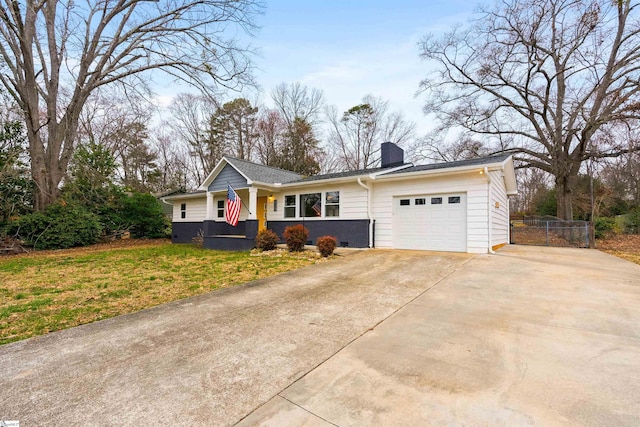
(352,48)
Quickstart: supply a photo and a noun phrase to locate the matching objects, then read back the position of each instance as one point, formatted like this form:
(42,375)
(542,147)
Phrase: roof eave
(441,171)
(321,181)
(510,182)
(183,196)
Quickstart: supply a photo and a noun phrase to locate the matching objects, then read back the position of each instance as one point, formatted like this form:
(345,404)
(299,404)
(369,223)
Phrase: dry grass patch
(47,291)
(625,246)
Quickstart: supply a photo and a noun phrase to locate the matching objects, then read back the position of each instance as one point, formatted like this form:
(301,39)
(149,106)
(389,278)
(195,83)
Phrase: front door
(261,213)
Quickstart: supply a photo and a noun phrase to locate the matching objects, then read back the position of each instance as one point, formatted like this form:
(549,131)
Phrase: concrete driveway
(528,336)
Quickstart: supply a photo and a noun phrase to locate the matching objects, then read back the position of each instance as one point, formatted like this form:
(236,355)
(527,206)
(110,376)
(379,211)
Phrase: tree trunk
(563,198)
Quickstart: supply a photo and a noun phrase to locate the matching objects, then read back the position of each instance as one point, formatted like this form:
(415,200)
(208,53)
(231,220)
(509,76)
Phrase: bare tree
(57,53)
(532,184)
(543,77)
(190,117)
(172,161)
(356,136)
(432,147)
(271,128)
(294,100)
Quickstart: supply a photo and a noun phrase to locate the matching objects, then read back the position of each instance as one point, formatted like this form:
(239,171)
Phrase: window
(332,203)
(454,199)
(422,201)
(275,205)
(183,210)
(310,205)
(289,206)
(220,208)
(405,202)
(436,200)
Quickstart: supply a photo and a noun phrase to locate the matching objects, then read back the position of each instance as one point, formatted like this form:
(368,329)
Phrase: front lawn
(47,291)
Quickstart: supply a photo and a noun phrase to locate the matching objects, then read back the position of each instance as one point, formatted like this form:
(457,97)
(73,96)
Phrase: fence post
(547,233)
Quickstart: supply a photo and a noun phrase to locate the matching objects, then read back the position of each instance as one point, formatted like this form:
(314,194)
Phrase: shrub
(604,226)
(144,214)
(326,245)
(266,240)
(60,226)
(296,236)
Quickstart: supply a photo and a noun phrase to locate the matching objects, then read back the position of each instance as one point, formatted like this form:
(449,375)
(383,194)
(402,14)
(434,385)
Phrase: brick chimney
(392,155)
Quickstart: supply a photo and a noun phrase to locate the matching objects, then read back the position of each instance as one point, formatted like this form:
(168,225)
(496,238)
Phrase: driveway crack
(308,411)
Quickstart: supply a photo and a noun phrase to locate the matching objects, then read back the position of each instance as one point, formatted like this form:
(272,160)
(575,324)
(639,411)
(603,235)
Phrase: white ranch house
(458,206)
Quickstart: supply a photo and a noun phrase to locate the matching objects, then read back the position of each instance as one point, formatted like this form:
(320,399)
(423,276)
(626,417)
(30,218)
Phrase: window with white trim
(332,203)
(220,208)
(183,210)
(310,205)
(289,206)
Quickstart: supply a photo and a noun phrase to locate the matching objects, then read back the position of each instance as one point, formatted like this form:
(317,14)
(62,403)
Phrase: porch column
(209,214)
(253,203)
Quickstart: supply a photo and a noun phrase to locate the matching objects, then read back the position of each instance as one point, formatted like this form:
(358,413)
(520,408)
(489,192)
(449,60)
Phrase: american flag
(317,208)
(232,210)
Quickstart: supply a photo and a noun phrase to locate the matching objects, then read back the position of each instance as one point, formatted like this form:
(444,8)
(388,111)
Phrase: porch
(224,237)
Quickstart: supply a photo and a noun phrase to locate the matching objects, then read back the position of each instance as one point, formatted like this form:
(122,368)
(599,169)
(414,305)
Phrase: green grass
(53,290)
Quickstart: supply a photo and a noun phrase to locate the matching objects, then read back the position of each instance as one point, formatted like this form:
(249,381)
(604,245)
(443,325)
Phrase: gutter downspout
(486,172)
(371,242)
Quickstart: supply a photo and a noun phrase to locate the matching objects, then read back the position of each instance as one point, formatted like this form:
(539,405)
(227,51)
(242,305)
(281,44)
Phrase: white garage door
(430,222)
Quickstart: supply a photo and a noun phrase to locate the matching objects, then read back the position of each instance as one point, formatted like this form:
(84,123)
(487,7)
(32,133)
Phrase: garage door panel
(430,222)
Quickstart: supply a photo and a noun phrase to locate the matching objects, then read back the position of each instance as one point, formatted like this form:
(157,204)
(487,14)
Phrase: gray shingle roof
(261,173)
(498,158)
(460,163)
(340,174)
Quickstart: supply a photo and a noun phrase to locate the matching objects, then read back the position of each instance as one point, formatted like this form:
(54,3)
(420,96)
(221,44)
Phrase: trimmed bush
(326,245)
(296,237)
(60,226)
(266,240)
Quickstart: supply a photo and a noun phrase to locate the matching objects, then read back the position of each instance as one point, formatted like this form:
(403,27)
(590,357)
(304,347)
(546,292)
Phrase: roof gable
(248,171)
(228,175)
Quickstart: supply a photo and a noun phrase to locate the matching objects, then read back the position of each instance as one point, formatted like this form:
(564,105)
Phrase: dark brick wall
(214,228)
(353,233)
(228,243)
(183,232)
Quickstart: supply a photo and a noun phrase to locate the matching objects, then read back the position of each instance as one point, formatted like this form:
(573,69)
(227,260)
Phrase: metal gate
(550,231)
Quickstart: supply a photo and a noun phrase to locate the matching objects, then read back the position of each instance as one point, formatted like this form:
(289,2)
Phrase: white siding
(499,212)
(244,213)
(353,201)
(473,184)
(196,209)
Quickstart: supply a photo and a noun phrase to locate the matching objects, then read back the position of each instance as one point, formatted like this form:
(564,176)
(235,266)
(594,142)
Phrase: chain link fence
(550,231)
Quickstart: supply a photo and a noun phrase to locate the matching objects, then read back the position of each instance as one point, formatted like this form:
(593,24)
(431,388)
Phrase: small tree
(296,237)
